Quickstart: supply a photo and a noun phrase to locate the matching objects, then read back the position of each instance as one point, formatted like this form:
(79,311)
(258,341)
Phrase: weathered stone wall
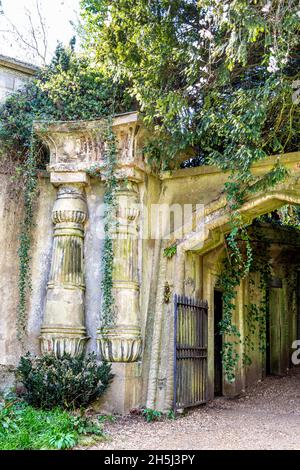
(11,216)
(11,204)
(141,342)
(11,212)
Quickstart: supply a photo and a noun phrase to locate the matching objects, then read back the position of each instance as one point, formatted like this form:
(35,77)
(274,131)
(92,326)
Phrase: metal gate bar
(190,351)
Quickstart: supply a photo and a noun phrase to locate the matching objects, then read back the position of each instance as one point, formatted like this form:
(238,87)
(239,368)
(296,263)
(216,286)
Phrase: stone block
(124,392)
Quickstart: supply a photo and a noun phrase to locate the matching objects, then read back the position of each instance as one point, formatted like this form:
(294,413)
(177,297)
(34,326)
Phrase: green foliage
(25,428)
(154,415)
(108,314)
(257,314)
(213,79)
(215,82)
(171,414)
(25,238)
(214,76)
(107,418)
(289,216)
(70,88)
(151,414)
(248,252)
(67,382)
(170,251)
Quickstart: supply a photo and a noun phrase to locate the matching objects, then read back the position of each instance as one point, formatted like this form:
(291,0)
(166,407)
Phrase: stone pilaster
(63,329)
(122,342)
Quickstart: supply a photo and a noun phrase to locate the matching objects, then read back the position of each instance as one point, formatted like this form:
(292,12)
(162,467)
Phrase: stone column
(122,342)
(63,329)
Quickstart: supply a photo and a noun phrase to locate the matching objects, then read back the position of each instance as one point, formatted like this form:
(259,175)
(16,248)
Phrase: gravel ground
(267,417)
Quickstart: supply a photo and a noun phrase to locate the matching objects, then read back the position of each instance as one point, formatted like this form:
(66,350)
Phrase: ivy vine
(30,192)
(240,260)
(257,314)
(108,313)
(170,251)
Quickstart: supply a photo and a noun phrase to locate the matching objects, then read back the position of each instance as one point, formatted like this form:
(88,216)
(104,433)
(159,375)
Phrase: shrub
(151,414)
(67,382)
(25,428)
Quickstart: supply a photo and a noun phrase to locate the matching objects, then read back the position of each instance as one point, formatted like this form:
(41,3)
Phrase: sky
(57,14)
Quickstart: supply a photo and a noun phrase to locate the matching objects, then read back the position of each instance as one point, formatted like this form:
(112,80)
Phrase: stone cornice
(291,160)
(79,146)
(18,65)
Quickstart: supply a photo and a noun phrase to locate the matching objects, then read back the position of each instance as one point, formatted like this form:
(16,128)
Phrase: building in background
(13,75)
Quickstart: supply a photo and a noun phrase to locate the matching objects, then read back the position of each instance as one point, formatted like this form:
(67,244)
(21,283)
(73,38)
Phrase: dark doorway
(218,314)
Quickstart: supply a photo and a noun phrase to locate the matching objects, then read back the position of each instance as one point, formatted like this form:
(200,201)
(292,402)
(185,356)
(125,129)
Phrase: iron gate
(190,352)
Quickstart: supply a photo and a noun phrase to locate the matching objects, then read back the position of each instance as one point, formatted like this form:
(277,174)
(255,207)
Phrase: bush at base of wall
(67,382)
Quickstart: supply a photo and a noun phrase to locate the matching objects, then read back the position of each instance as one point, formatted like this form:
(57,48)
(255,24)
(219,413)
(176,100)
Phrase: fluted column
(63,329)
(122,342)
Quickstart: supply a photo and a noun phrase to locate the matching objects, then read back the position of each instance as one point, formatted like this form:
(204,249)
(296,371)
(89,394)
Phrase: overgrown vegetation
(151,415)
(67,382)
(108,313)
(170,251)
(213,77)
(253,248)
(70,88)
(23,427)
(215,81)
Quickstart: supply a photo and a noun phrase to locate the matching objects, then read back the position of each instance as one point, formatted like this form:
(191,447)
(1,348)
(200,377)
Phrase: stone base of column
(61,340)
(119,344)
(124,393)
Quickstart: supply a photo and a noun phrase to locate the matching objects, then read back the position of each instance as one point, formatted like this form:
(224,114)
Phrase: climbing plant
(215,81)
(236,266)
(107,310)
(25,237)
(247,253)
(257,312)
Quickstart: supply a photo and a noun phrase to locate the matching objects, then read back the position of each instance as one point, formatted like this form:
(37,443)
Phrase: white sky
(57,14)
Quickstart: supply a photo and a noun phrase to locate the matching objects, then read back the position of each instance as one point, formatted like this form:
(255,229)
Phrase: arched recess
(214,223)
(207,240)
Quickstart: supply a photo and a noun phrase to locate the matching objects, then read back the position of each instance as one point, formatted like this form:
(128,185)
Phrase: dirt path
(268,417)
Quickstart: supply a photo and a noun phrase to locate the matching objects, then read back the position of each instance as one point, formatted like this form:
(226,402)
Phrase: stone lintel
(58,178)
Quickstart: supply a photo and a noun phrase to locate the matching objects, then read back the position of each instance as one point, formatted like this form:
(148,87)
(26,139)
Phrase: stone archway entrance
(140,345)
(195,269)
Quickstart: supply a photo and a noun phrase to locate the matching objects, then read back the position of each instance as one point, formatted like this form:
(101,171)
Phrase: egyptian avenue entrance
(218,369)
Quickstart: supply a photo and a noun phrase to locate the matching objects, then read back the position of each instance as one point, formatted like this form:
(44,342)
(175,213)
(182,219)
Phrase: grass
(23,427)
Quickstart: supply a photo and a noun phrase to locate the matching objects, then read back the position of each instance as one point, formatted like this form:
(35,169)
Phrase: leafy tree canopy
(212,76)
(70,88)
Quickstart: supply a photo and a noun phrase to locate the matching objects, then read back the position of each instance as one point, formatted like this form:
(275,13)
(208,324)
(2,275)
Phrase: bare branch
(34,39)
(42,23)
